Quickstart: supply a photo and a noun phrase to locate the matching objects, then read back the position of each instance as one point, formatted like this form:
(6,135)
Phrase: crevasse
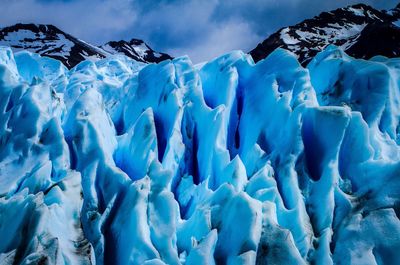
(230,162)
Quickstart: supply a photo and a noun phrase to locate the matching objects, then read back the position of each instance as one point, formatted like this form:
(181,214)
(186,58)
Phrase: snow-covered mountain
(231,162)
(135,49)
(48,40)
(360,30)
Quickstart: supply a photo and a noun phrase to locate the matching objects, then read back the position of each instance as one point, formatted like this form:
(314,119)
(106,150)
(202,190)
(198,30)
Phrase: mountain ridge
(50,41)
(349,28)
(136,49)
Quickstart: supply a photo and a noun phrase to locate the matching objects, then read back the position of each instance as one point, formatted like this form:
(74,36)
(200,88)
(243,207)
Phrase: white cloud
(221,38)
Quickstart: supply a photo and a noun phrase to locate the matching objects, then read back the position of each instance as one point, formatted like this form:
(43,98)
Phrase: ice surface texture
(231,162)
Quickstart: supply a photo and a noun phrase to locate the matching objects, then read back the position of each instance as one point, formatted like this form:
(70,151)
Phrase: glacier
(227,162)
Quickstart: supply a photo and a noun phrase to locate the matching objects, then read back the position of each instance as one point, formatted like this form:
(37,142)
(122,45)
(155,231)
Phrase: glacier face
(231,162)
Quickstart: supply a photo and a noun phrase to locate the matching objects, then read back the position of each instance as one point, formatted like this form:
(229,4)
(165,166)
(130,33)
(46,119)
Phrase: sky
(200,29)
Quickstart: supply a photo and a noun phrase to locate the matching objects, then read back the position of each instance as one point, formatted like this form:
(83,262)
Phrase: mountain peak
(343,27)
(136,49)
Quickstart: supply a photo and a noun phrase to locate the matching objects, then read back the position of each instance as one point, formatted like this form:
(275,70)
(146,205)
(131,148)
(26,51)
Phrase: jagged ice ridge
(230,162)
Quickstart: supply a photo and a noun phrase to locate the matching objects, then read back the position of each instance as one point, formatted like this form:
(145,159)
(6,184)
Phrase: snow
(224,162)
(136,51)
(333,33)
(157,54)
(356,11)
(373,16)
(141,49)
(35,42)
(345,35)
(108,50)
(289,40)
(22,35)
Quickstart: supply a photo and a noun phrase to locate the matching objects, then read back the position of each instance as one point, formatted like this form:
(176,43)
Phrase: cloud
(91,20)
(200,29)
(188,28)
(233,35)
